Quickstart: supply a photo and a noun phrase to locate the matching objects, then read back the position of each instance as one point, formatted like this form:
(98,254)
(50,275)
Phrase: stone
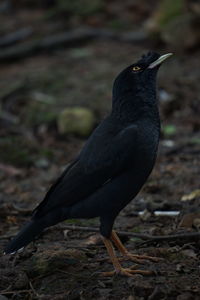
(79,121)
(47,262)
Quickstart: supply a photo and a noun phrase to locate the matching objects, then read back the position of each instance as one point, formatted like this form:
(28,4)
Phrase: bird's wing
(96,165)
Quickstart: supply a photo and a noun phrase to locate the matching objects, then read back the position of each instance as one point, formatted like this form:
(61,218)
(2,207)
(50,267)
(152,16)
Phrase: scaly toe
(142,258)
(108,274)
(125,272)
(142,272)
(132,258)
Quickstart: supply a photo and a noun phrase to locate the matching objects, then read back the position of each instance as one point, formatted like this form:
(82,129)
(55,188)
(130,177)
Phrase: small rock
(164,96)
(48,261)
(188,220)
(76,120)
(168,143)
(196,223)
(42,163)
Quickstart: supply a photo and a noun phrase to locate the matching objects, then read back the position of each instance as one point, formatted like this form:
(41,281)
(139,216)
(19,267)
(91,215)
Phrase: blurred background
(58,60)
(57,55)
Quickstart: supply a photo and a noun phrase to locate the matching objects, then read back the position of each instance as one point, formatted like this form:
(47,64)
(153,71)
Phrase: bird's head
(149,62)
(139,75)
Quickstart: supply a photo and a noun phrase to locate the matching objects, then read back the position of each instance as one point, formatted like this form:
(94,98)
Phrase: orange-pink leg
(127,255)
(118,269)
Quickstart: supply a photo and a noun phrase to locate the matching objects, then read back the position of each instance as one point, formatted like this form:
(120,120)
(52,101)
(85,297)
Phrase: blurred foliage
(15,150)
(18,151)
(81,8)
(37,113)
(118,24)
(169,130)
(169,9)
(82,75)
(195,141)
(165,12)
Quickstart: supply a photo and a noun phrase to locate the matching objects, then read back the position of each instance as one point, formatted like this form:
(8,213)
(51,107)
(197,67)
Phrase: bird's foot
(127,255)
(128,272)
(140,258)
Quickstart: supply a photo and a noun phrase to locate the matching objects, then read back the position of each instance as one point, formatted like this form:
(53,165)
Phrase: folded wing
(104,156)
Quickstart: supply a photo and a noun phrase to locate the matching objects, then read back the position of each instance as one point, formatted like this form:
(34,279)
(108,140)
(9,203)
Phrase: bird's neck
(136,105)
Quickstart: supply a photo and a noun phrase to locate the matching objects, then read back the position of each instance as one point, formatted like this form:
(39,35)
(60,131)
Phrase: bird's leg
(118,269)
(127,255)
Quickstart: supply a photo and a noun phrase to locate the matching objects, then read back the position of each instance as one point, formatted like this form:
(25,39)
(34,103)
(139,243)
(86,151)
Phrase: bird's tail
(25,236)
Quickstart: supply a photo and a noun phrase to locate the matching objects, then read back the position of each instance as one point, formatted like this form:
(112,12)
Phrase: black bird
(112,166)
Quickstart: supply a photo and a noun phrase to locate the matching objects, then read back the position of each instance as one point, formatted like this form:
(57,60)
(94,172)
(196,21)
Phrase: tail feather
(24,237)
(35,227)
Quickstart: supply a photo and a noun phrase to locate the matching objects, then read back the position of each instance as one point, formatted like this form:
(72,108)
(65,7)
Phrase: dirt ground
(66,263)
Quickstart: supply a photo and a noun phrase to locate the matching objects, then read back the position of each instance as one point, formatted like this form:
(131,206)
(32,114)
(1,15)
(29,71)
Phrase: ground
(64,263)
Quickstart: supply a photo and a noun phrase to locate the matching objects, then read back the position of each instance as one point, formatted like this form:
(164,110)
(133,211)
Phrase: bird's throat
(135,107)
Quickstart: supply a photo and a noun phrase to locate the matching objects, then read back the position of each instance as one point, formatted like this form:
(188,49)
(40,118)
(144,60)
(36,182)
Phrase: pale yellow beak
(159,60)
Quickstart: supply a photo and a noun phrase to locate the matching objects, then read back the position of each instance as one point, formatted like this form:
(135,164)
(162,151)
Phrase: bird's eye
(136,68)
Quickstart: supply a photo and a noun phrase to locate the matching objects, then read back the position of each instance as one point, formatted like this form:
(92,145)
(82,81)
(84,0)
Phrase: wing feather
(104,157)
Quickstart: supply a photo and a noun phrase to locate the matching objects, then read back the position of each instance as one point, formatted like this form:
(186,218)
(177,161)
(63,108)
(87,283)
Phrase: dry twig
(181,236)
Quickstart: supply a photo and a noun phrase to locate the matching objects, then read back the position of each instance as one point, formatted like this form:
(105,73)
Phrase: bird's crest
(148,58)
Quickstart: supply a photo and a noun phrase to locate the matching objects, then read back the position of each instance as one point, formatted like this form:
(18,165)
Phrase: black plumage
(115,161)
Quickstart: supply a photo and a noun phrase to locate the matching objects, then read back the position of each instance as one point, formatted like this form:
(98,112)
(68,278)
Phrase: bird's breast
(145,151)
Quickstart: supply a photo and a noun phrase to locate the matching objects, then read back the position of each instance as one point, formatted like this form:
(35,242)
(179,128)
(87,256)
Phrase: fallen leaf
(189,253)
(131,297)
(188,220)
(191,196)
(11,220)
(93,240)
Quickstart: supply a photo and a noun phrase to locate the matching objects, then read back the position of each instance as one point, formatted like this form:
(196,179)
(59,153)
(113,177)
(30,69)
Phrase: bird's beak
(159,60)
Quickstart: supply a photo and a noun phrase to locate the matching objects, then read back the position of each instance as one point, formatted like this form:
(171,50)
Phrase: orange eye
(136,68)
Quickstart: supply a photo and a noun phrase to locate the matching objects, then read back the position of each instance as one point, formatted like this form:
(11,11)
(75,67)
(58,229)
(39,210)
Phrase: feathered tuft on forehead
(148,58)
